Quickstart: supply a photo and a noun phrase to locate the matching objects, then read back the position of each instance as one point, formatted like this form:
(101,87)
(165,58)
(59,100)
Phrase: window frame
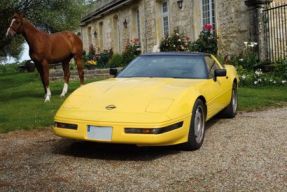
(211,12)
(165,15)
(138,22)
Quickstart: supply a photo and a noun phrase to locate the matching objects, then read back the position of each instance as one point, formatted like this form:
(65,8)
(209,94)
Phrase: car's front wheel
(197,127)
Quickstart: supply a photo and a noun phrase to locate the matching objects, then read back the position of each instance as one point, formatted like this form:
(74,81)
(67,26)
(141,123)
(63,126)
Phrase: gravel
(247,153)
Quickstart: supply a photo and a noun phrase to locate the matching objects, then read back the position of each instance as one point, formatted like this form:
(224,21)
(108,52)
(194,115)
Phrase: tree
(49,15)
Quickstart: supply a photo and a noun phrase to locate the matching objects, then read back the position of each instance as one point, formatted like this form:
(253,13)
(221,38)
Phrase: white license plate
(100,133)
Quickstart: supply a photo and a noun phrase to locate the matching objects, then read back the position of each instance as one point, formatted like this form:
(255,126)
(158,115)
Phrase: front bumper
(119,135)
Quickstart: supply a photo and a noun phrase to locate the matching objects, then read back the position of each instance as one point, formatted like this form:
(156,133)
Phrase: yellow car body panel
(142,103)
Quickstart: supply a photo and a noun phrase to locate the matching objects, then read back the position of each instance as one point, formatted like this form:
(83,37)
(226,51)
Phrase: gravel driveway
(247,153)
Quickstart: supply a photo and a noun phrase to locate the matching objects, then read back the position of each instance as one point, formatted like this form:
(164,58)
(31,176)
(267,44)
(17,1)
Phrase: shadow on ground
(119,152)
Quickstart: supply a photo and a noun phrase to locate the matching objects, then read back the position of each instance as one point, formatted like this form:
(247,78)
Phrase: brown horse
(49,48)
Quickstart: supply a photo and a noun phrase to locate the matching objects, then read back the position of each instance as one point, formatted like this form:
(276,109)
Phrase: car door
(226,86)
(214,89)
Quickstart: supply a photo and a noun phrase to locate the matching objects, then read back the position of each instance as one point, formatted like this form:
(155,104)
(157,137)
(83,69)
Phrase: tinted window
(170,66)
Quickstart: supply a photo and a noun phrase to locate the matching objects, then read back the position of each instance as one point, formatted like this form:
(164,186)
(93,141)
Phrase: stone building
(116,22)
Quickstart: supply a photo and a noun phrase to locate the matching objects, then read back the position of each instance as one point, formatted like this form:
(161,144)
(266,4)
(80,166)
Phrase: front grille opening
(66,125)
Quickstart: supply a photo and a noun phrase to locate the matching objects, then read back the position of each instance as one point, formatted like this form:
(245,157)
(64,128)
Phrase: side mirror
(219,73)
(113,72)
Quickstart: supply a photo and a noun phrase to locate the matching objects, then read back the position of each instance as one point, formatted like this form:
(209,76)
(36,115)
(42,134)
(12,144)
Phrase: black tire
(195,137)
(231,110)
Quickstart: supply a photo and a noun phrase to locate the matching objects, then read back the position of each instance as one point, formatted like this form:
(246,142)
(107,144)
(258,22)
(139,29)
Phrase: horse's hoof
(47,99)
(62,95)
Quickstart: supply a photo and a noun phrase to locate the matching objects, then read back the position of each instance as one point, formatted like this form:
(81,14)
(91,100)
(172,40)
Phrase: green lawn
(22,96)
(22,101)
(251,99)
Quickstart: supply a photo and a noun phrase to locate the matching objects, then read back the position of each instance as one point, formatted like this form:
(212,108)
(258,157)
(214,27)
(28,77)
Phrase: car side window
(211,66)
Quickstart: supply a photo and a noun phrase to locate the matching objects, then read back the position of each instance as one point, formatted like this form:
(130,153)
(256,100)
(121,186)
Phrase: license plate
(100,133)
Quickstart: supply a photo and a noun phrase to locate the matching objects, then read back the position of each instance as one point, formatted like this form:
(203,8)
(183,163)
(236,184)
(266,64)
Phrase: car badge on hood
(110,107)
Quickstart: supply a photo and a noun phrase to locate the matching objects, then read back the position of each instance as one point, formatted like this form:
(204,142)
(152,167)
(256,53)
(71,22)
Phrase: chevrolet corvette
(159,99)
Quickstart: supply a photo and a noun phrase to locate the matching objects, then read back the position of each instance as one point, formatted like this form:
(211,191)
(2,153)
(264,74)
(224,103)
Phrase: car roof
(176,54)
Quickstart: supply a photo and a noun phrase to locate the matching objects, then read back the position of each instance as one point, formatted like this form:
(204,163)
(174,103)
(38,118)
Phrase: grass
(251,99)
(22,96)
(21,101)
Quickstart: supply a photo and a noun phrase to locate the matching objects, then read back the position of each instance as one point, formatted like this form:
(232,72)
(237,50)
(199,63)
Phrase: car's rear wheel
(231,110)
(197,127)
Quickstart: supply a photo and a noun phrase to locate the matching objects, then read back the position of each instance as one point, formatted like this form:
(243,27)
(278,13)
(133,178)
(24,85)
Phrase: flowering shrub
(97,60)
(176,42)
(250,70)
(249,57)
(132,50)
(92,62)
(207,41)
(259,78)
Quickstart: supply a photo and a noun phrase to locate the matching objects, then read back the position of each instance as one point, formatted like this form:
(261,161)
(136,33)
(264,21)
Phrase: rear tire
(197,127)
(231,110)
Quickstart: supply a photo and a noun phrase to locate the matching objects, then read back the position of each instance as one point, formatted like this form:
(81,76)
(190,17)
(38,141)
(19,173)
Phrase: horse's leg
(40,70)
(66,69)
(78,60)
(45,67)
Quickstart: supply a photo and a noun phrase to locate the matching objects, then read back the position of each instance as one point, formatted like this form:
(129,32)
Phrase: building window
(116,34)
(101,37)
(165,18)
(138,24)
(208,12)
(90,35)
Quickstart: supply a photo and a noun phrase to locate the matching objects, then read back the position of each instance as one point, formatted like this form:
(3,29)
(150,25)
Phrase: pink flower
(208,27)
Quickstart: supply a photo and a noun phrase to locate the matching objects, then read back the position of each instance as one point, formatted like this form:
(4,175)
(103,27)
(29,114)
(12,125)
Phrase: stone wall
(181,18)
(233,26)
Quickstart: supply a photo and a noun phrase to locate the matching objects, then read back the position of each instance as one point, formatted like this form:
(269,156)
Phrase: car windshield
(167,66)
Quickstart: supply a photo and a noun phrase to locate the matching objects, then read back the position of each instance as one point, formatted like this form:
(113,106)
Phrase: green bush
(280,68)
(102,61)
(116,61)
(9,68)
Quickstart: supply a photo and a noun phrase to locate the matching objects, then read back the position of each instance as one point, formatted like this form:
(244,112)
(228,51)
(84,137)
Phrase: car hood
(128,96)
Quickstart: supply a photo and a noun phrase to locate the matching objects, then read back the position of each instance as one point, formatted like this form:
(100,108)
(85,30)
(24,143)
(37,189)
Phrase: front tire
(197,127)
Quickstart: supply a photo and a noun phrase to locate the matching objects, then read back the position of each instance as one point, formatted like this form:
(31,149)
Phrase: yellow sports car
(158,99)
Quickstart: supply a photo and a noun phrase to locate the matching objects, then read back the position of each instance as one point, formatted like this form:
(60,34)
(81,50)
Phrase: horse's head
(16,25)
